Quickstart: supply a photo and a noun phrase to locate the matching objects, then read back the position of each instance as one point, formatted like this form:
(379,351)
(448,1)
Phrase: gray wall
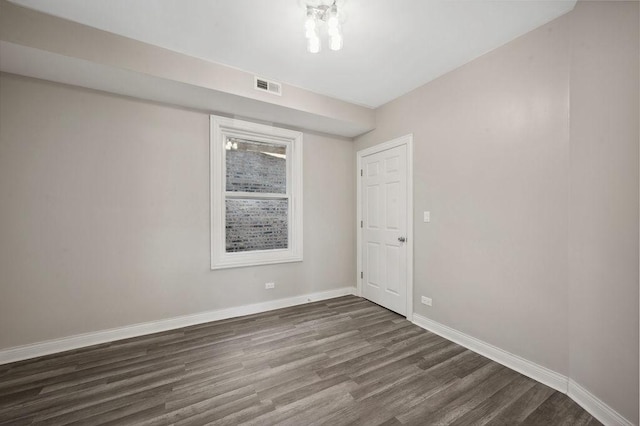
(105,215)
(603,203)
(490,159)
(527,159)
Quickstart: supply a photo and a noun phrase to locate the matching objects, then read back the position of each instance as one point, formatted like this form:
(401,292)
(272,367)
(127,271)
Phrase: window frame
(220,129)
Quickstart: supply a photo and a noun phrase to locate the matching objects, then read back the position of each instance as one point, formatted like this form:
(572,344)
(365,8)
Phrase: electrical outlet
(427,216)
(426,300)
(269,286)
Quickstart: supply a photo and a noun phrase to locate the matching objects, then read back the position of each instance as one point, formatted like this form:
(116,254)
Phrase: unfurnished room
(319,212)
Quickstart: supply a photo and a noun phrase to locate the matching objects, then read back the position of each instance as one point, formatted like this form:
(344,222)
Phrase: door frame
(403,140)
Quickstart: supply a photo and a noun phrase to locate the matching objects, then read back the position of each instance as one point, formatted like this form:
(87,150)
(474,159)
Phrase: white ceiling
(390,46)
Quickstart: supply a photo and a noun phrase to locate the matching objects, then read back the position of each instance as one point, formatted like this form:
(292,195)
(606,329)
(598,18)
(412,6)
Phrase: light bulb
(310,23)
(313,45)
(332,22)
(311,33)
(336,42)
(333,31)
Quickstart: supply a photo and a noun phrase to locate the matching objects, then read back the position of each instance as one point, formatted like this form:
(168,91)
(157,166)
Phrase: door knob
(402,239)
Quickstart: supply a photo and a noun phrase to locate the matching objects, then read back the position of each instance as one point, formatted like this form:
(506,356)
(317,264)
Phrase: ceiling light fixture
(322,15)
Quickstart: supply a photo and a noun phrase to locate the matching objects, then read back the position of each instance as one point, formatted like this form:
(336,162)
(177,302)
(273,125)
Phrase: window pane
(256,224)
(256,166)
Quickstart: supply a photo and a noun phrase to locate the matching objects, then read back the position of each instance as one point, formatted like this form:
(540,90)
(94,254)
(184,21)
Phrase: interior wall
(603,202)
(491,147)
(105,215)
(527,159)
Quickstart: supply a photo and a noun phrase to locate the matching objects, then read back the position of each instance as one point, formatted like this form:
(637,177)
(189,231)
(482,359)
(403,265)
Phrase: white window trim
(221,127)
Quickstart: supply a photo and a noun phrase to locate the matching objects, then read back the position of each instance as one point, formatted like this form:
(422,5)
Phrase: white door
(384,228)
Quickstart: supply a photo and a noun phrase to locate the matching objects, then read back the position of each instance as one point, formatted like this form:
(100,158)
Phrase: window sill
(246,263)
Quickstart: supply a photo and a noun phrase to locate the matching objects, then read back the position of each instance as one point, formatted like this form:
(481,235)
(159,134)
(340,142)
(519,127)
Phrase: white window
(256,194)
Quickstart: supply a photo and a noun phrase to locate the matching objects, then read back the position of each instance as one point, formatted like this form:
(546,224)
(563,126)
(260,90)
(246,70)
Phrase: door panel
(392,213)
(372,169)
(392,257)
(373,259)
(373,200)
(384,257)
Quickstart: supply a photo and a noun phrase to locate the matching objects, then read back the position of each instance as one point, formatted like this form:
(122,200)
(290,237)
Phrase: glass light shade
(311,33)
(310,23)
(313,45)
(336,42)
(316,19)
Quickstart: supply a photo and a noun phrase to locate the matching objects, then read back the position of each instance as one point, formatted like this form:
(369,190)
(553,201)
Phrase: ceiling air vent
(268,86)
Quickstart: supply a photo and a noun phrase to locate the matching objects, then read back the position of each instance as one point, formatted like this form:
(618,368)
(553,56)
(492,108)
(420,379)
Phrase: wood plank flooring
(340,361)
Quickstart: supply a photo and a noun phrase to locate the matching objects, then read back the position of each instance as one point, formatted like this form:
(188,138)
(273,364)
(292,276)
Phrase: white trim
(410,227)
(537,372)
(598,409)
(403,140)
(19,353)
(220,128)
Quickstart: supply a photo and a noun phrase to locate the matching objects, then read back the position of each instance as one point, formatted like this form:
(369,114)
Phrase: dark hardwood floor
(341,361)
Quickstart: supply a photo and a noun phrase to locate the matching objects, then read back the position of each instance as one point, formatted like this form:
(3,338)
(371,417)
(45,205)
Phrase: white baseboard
(598,409)
(530,369)
(19,353)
